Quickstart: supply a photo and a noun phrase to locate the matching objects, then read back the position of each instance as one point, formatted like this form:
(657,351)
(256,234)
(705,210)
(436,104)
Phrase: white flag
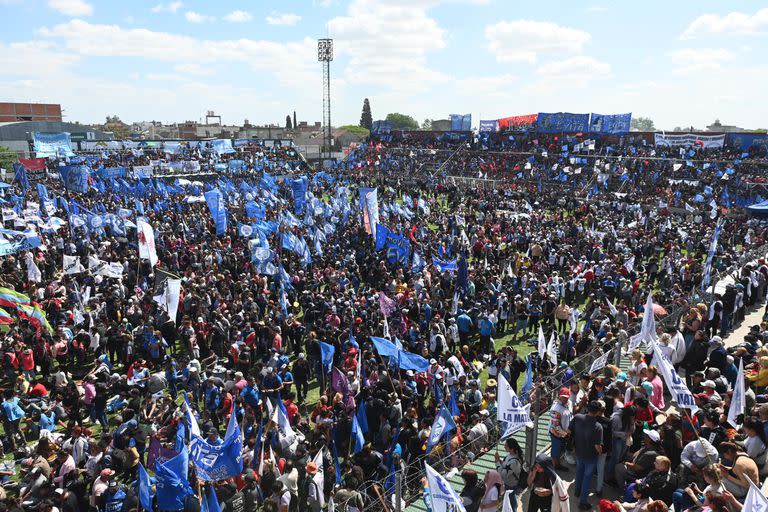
(738,402)
(552,350)
(675,384)
(612,308)
(630,264)
(573,318)
(755,501)
(169,298)
(147,249)
(507,505)
(512,415)
(542,348)
(442,493)
(98,267)
(319,477)
(647,328)
(72,265)
(194,428)
(455,309)
(33,272)
(599,363)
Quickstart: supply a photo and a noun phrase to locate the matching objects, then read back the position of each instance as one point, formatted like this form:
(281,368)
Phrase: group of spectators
(88,401)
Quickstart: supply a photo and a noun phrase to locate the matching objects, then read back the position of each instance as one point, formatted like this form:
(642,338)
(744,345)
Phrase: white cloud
(499,86)
(736,23)
(692,60)
(572,73)
(596,8)
(192,69)
(171,7)
(238,16)
(526,40)
(34,58)
(196,17)
(292,62)
(71,7)
(283,19)
(387,43)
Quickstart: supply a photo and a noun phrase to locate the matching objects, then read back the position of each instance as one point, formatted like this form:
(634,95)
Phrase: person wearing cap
(100,485)
(560,415)
(311,491)
(695,457)
(114,499)
(642,462)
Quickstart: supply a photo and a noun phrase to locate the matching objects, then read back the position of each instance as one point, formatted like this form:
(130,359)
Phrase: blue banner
(398,247)
(615,123)
(222,146)
(14,243)
(52,145)
(745,141)
(299,187)
(461,123)
(236,165)
(75,177)
(218,210)
(20,176)
(381,128)
(111,172)
(444,265)
(415,362)
(562,122)
(489,125)
(219,462)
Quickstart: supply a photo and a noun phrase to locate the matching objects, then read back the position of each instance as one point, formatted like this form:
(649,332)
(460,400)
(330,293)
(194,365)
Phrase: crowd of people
(104,377)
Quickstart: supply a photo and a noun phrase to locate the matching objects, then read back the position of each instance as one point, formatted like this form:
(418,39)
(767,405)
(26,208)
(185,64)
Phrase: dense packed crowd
(282,314)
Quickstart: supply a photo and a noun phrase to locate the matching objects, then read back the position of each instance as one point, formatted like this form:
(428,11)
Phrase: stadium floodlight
(325,50)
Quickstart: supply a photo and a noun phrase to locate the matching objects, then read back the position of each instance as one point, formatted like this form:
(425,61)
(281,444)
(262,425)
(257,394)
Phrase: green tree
(288,124)
(366,119)
(402,121)
(427,124)
(357,130)
(642,124)
(7,157)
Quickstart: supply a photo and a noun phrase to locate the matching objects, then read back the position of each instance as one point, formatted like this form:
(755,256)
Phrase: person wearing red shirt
(38,390)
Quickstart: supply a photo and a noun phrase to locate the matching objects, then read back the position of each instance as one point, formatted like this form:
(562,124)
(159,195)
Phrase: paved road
(754,317)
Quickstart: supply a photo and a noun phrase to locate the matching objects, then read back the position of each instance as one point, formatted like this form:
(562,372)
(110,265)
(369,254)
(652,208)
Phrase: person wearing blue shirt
(272,385)
(12,413)
(250,393)
(286,377)
(486,329)
(464,323)
(48,421)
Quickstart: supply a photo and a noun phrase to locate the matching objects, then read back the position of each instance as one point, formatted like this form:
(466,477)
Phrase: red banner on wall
(508,122)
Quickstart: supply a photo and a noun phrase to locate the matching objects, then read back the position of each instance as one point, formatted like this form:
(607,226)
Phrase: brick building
(12,112)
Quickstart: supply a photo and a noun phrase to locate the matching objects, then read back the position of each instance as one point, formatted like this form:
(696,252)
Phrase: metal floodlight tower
(325,55)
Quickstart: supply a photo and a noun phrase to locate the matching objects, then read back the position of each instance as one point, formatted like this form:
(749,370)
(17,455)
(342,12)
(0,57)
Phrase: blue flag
(444,265)
(357,433)
(20,176)
(335,454)
(299,187)
(442,425)
(218,209)
(145,489)
(454,408)
(326,355)
(528,384)
(181,437)
(210,502)
(362,416)
(172,483)
(219,462)
(410,361)
(257,447)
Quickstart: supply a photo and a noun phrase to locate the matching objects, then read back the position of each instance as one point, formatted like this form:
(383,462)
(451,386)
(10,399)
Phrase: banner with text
(615,123)
(52,145)
(562,122)
(688,139)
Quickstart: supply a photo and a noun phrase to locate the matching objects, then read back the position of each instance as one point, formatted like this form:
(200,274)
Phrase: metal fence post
(399,491)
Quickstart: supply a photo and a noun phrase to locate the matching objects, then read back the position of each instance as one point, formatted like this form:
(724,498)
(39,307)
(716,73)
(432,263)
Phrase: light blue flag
(357,432)
(326,355)
(443,424)
(410,361)
(383,346)
(362,416)
(222,461)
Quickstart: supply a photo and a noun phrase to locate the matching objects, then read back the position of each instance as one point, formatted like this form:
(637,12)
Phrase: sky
(681,63)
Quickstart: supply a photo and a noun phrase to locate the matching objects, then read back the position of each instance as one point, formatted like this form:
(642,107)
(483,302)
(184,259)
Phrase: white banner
(512,415)
(689,139)
(676,385)
(72,265)
(101,268)
(169,299)
(442,493)
(599,363)
(738,400)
